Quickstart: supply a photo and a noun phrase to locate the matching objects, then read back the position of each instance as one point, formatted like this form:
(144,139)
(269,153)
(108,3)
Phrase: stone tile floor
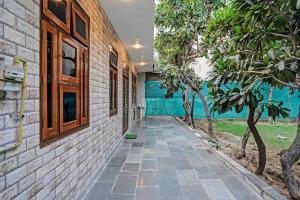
(166,162)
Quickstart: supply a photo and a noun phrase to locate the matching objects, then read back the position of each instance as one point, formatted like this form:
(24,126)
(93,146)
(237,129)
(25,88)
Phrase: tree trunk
(187,106)
(208,116)
(246,136)
(289,158)
(186,117)
(259,142)
(192,111)
(271,121)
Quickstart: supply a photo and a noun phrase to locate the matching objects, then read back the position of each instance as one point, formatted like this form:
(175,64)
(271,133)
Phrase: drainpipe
(20,116)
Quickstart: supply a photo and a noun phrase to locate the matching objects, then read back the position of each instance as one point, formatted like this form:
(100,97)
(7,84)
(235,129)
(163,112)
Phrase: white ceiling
(134,21)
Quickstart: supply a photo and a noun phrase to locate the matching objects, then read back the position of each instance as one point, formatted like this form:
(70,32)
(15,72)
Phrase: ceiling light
(137,45)
(143,63)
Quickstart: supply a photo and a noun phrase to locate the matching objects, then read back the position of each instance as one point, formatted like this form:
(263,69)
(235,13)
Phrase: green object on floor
(130,136)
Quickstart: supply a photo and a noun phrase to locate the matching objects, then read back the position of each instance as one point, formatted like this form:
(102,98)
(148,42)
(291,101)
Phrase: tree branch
(278,35)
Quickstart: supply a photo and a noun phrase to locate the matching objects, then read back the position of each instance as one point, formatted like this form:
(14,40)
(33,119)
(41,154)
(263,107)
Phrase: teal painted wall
(158,105)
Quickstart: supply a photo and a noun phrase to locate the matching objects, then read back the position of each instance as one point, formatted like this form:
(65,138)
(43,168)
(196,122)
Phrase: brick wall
(66,168)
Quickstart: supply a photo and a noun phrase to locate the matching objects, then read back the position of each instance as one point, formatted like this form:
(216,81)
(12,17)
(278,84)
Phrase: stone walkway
(166,163)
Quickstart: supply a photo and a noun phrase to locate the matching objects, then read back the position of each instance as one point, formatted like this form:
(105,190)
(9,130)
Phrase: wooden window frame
(63,83)
(83,16)
(62,77)
(114,91)
(113,69)
(134,87)
(73,124)
(66,27)
(46,132)
(84,86)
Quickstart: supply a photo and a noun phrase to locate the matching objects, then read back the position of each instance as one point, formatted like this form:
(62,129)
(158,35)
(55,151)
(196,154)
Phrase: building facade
(79,86)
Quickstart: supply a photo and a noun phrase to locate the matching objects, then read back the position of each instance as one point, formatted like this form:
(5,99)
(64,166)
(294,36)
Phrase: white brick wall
(63,169)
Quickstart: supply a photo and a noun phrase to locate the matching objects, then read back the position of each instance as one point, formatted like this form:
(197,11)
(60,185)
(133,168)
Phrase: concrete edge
(254,182)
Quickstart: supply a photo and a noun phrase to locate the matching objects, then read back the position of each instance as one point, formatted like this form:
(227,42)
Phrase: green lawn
(269,132)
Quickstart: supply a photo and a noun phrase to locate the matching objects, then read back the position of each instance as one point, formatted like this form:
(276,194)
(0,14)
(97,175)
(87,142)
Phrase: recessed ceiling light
(137,45)
(143,63)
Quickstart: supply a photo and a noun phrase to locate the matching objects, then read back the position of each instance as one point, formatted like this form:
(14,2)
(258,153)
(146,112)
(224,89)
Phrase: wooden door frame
(125,95)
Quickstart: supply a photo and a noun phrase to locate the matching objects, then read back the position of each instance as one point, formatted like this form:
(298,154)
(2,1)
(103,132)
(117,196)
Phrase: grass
(269,132)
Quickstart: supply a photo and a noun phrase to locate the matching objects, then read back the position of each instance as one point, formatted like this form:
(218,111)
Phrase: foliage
(174,77)
(251,43)
(179,24)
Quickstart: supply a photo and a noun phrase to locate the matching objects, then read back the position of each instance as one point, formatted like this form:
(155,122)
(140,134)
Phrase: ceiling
(134,22)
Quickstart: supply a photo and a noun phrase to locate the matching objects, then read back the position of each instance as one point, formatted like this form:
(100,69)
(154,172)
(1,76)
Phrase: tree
(180,23)
(257,43)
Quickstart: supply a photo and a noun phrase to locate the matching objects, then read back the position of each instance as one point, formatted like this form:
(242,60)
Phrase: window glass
(49,77)
(68,60)
(80,26)
(69,106)
(59,9)
(115,91)
(114,59)
(110,90)
(83,82)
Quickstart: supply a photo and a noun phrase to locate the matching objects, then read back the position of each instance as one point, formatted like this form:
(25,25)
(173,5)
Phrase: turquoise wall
(158,105)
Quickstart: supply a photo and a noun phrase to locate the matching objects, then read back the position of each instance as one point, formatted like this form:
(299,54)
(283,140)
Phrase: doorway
(125,99)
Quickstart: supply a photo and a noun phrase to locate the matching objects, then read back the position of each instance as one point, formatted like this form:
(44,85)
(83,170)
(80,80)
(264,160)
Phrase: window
(59,12)
(80,25)
(64,74)
(113,83)
(134,100)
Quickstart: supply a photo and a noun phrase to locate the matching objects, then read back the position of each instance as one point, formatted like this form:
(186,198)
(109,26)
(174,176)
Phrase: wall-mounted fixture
(13,79)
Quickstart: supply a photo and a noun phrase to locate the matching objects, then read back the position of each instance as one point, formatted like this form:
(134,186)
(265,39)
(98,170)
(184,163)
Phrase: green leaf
(250,2)
(298,4)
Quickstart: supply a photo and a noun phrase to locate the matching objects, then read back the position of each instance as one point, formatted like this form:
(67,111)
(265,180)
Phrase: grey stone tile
(178,155)
(176,166)
(148,178)
(130,169)
(121,197)
(206,173)
(100,191)
(121,153)
(109,174)
(149,156)
(167,172)
(187,177)
(132,158)
(169,188)
(135,150)
(221,170)
(125,185)
(137,144)
(116,162)
(194,192)
(238,188)
(196,161)
(149,165)
(182,164)
(216,189)
(165,162)
(147,193)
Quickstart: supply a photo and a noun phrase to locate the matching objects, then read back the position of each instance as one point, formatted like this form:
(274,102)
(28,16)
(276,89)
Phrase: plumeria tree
(251,43)
(180,24)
